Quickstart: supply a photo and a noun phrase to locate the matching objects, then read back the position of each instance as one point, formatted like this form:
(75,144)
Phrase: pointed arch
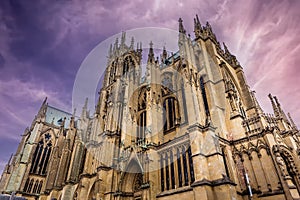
(92,195)
(286,163)
(128,63)
(40,158)
(132,177)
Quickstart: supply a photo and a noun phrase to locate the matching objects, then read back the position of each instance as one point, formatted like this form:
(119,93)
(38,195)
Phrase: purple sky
(42,44)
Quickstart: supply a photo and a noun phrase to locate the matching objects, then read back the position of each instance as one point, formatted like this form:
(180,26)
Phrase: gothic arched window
(142,125)
(112,72)
(40,187)
(162,179)
(36,157)
(191,165)
(179,168)
(185,167)
(30,186)
(26,185)
(167,172)
(41,156)
(172,170)
(169,113)
(35,187)
(127,64)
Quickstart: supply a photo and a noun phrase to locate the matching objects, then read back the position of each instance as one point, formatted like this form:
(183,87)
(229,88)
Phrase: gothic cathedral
(190,128)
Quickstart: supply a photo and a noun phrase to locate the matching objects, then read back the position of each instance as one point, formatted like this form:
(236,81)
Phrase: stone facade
(189,129)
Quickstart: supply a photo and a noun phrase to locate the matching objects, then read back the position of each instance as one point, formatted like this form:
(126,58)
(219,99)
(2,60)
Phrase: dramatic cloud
(42,45)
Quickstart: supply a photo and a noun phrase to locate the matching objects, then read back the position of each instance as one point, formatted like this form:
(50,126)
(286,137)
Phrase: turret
(197,27)
(181,28)
(281,112)
(164,55)
(292,122)
(85,113)
(275,109)
(151,58)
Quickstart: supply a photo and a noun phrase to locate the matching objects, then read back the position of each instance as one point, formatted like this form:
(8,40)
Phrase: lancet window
(169,113)
(41,156)
(177,168)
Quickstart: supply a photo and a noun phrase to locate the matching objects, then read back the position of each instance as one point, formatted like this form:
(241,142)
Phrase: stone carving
(281,164)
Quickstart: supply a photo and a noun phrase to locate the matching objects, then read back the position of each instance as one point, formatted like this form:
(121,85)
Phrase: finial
(208,25)
(151,44)
(275,109)
(292,121)
(164,54)
(197,27)
(139,46)
(151,53)
(45,100)
(225,48)
(116,43)
(181,28)
(132,43)
(123,38)
(110,50)
(74,112)
(72,122)
(281,112)
(86,103)
(197,20)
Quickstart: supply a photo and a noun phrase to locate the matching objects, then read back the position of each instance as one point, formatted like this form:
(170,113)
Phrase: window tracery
(178,172)
(41,156)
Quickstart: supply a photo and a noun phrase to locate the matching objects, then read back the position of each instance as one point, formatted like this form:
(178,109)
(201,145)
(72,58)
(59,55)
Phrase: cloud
(42,45)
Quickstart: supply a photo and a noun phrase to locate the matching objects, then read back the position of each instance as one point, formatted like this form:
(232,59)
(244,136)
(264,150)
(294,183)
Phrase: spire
(181,28)
(282,114)
(72,121)
(256,102)
(197,27)
(132,43)
(42,110)
(151,58)
(123,38)
(84,113)
(74,112)
(226,49)
(164,54)
(110,50)
(116,45)
(45,101)
(275,109)
(292,121)
(208,26)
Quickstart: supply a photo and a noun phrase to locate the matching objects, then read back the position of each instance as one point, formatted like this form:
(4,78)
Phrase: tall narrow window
(35,187)
(45,164)
(128,63)
(203,92)
(179,168)
(142,125)
(112,72)
(224,160)
(41,156)
(162,178)
(172,170)
(30,186)
(185,167)
(26,185)
(191,165)
(169,113)
(40,187)
(36,157)
(167,172)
